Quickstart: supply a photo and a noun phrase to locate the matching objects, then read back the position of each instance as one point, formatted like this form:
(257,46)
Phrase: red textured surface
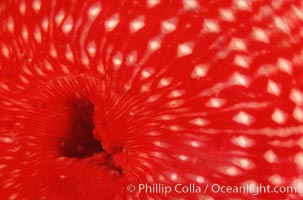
(96,95)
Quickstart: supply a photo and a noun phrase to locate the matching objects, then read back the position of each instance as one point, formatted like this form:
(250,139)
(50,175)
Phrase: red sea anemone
(98,97)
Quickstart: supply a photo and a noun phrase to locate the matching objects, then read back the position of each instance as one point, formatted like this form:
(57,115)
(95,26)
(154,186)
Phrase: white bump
(36,5)
(167,117)
(100,68)
(112,22)
(37,35)
(296,96)
(298,184)
(276,179)
(284,65)
(153,133)
(85,60)
(69,54)
(190,4)
(231,171)
(260,35)
(277,4)
(270,156)
(215,103)
(239,79)
(44,24)
(266,70)
(243,141)
(10,24)
(152,3)
(67,25)
(298,114)
(238,44)
(199,71)
(300,142)
(175,103)
(243,4)
(153,98)
(242,61)
(48,66)
(117,60)
(53,51)
(199,122)
(200,179)
(23,79)
(4,50)
(154,44)
(298,12)
(278,116)
(59,17)
(211,26)
(299,160)
(146,73)
(39,71)
(164,82)
(136,24)
(160,144)
(22,7)
(168,26)
(65,69)
(194,144)
(91,48)
(183,157)
(8,184)
(243,118)
(176,93)
(273,88)
(6,140)
(94,10)
(227,15)
(281,24)
(13,196)
(4,86)
(185,49)
(131,58)
(173,177)
(244,163)
(27,70)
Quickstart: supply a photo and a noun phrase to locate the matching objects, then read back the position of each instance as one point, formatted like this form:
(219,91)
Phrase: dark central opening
(80,141)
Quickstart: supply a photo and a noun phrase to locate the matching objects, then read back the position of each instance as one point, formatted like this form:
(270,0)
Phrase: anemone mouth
(80,141)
